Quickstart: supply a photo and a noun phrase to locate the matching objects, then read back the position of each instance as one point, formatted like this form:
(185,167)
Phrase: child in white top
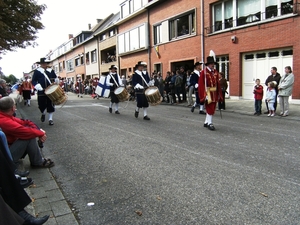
(270,97)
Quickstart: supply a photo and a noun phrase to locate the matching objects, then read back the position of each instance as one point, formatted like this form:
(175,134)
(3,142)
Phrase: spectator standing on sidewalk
(258,96)
(270,98)
(190,88)
(167,85)
(273,77)
(285,89)
(224,86)
(183,85)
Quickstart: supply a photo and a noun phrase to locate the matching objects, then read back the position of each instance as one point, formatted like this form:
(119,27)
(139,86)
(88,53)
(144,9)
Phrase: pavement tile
(54,195)
(38,192)
(60,208)
(41,205)
(67,219)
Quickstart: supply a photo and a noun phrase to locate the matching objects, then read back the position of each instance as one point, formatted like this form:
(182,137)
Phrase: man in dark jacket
(273,77)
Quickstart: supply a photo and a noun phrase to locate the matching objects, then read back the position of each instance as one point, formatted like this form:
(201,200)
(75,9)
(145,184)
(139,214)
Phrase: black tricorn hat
(198,64)
(210,60)
(140,63)
(113,67)
(42,60)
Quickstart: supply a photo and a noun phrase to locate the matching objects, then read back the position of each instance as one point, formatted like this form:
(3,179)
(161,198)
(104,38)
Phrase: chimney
(89,25)
(99,20)
(70,36)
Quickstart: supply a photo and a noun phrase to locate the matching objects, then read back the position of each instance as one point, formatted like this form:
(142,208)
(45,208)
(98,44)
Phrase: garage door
(258,65)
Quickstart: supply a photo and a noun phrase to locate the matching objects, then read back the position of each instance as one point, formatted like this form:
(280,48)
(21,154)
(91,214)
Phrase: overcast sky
(62,17)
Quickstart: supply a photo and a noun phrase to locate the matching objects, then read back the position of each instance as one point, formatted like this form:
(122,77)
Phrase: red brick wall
(272,35)
(177,50)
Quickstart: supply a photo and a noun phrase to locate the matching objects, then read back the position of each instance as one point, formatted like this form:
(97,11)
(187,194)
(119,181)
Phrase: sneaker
(146,118)
(269,114)
(272,114)
(255,113)
(192,109)
(43,118)
(117,112)
(51,123)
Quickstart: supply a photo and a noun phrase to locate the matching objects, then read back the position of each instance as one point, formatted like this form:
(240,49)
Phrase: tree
(19,23)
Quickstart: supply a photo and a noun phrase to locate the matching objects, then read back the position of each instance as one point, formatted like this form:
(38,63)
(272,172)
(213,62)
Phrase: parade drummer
(41,79)
(195,75)
(26,89)
(140,81)
(114,81)
(210,91)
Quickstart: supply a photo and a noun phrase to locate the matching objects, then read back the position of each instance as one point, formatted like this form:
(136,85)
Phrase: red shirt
(15,128)
(258,92)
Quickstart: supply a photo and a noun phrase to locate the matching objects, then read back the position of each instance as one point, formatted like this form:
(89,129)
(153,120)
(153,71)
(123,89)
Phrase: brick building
(250,37)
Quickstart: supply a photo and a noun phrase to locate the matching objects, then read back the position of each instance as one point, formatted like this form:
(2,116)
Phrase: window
(223,65)
(125,9)
(81,60)
(64,66)
(70,65)
(133,40)
(102,37)
(94,56)
(183,25)
(87,58)
(137,4)
(60,67)
(77,61)
(157,34)
(111,33)
(233,13)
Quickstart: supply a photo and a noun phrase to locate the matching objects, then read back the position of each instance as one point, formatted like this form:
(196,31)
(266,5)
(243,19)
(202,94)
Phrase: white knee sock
(50,116)
(116,106)
(137,109)
(28,101)
(110,104)
(201,107)
(44,113)
(145,111)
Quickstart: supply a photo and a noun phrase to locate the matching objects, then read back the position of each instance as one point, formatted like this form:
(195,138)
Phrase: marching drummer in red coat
(25,89)
(210,90)
(95,82)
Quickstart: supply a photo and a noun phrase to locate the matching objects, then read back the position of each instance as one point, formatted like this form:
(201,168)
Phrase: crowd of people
(278,87)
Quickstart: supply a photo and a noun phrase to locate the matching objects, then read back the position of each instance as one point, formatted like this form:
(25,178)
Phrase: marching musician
(41,79)
(195,75)
(140,81)
(95,84)
(26,89)
(114,81)
(210,90)
(79,86)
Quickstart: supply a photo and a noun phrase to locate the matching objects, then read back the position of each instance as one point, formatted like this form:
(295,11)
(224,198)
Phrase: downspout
(149,44)
(98,54)
(202,30)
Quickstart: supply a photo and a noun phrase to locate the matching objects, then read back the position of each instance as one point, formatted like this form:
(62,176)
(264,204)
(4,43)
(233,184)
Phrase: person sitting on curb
(21,135)
(14,195)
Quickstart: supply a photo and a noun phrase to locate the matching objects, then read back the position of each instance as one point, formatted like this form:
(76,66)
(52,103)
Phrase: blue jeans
(257,105)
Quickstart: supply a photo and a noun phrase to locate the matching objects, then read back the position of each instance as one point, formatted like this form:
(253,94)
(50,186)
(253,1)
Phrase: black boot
(31,220)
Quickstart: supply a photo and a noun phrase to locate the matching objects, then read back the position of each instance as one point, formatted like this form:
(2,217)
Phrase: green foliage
(11,79)
(19,23)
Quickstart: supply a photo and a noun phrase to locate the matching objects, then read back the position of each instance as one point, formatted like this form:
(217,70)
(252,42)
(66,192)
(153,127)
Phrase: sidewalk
(246,107)
(47,197)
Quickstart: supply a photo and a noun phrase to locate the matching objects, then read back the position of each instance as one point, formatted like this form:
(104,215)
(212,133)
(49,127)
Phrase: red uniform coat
(212,81)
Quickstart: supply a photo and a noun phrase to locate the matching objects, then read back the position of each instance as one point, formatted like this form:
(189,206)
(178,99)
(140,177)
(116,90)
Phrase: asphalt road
(171,168)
